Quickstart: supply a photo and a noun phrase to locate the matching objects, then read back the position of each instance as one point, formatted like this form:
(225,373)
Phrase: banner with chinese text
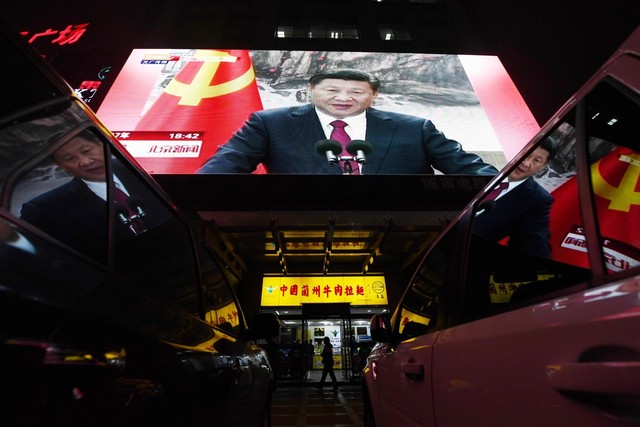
(294,291)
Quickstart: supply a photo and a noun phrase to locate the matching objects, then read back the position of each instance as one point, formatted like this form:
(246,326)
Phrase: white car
(526,309)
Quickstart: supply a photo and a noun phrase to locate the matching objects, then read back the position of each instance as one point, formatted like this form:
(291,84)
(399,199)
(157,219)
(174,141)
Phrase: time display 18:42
(190,135)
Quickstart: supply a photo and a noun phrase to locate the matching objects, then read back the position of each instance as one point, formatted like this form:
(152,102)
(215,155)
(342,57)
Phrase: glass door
(296,356)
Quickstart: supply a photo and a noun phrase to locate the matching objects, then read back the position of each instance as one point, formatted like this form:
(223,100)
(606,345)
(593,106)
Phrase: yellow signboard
(227,314)
(288,291)
(408,316)
(501,292)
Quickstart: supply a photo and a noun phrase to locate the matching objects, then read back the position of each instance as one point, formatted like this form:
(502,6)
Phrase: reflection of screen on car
(173,108)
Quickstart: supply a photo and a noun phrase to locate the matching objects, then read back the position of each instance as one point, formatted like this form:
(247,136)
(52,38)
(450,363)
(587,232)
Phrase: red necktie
(339,134)
(497,191)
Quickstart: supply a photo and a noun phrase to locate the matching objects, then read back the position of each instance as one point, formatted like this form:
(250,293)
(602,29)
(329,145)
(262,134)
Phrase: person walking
(327,362)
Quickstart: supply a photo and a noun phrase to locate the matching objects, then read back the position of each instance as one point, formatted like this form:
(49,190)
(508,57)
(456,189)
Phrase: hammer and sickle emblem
(624,195)
(192,93)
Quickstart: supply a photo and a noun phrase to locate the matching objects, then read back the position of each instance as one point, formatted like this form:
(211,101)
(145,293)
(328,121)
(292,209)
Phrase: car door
(399,370)
(554,341)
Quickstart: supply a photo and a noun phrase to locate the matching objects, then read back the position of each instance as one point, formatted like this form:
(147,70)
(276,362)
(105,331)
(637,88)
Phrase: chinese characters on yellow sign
(227,314)
(501,292)
(295,291)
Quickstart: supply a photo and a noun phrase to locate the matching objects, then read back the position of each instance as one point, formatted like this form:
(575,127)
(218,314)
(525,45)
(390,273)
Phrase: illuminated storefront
(314,307)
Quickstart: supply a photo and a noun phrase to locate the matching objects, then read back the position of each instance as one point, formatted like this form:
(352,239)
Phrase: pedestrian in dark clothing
(327,362)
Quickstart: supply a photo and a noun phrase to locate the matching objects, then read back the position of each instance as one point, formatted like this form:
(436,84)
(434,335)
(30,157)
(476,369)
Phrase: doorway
(348,330)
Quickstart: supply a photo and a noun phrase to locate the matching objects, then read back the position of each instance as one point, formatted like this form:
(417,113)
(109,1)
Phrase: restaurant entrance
(302,332)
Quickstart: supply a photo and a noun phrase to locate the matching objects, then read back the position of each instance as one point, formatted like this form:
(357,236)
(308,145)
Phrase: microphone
(359,148)
(136,204)
(123,215)
(330,148)
(486,207)
(137,219)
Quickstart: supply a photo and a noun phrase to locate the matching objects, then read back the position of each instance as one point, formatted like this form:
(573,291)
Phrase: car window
(422,304)
(611,135)
(152,246)
(65,181)
(64,193)
(506,269)
(614,155)
(221,308)
(515,240)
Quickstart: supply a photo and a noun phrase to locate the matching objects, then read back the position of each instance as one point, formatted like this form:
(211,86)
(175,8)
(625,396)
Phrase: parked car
(537,324)
(114,308)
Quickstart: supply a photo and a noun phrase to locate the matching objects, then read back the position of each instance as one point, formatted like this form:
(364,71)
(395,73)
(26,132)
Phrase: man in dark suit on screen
(284,139)
(76,213)
(520,212)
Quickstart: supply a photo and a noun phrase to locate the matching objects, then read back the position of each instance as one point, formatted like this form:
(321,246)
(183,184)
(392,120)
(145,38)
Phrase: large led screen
(173,108)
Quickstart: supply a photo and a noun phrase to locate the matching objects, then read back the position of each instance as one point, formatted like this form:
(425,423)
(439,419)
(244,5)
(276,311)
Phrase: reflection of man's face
(531,165)
(342,98)
(83,158)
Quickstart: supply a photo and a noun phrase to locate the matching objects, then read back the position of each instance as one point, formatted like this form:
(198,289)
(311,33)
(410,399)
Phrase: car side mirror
(264,326)
(380,327)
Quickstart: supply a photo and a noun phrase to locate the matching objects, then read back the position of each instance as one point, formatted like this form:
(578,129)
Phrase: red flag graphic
(209,99)
(616,188)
